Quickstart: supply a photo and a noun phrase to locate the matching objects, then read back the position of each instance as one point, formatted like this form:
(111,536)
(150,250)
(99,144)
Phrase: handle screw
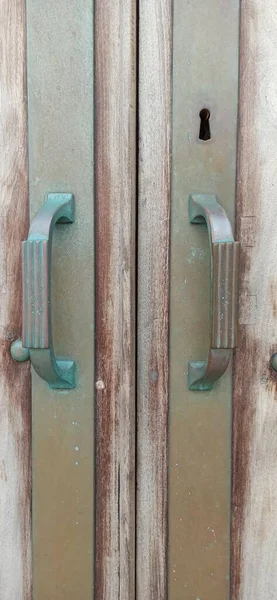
(273,361)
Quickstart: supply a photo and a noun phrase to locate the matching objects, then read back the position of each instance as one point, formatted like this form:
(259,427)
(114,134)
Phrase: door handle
(36,278)
(224,291)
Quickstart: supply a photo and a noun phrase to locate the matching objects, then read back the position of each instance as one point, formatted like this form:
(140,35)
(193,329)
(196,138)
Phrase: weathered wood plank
(115,179)
(155,31)
(15,407)
(254,530)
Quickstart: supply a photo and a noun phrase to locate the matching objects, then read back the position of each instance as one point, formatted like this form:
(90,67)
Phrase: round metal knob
(19,353)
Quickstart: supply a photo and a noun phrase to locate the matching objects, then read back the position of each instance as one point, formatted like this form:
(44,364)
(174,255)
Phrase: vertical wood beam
(115,179)
(15,406)
(155,31)
(254,494)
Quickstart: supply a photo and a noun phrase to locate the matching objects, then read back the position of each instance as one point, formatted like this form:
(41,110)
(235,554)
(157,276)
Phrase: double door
(137,445)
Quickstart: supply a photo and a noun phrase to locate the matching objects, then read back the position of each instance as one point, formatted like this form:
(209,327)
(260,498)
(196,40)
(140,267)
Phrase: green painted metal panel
(205,96)
(60,114)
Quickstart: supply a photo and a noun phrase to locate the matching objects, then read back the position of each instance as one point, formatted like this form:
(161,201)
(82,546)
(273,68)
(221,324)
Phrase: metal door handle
(224,291)
(37,329)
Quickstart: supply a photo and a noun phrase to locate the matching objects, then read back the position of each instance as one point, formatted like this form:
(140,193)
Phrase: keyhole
(204,132)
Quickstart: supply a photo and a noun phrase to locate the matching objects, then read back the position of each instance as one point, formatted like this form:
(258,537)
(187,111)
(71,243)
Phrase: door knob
(224,253)
(36,279)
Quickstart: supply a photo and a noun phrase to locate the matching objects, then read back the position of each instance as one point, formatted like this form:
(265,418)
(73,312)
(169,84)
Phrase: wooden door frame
(254,495)
(254,418)
(115,184)
(154,185)
(15,393)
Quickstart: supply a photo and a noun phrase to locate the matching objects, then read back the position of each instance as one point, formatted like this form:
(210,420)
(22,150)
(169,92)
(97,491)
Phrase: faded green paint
(60,67)
(205,76)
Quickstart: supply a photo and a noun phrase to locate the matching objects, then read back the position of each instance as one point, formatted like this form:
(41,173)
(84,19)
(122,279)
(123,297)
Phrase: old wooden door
(121,476)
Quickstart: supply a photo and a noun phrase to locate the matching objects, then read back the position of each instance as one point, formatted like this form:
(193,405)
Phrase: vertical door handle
(224,291)
(36,269)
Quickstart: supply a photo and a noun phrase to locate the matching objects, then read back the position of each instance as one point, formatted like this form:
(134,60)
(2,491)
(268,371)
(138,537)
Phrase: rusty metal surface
(115,181)
(205,76)
(60,112)
(15,397)
(154,178)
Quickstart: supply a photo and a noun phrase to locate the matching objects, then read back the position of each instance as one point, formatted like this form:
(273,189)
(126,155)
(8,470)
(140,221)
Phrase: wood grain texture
(115,180)
(254,494)
(15,430)
(155,32)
